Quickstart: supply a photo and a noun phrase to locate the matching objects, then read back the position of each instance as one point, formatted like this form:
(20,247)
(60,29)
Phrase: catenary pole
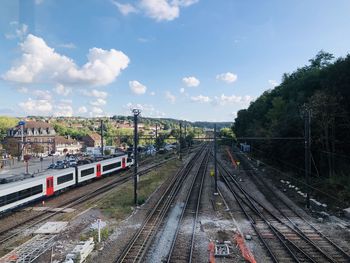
(102,137)
(215,163)
(136,113)
(307,131)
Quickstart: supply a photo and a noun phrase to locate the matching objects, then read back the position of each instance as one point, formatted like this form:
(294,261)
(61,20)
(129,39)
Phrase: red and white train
(51,182)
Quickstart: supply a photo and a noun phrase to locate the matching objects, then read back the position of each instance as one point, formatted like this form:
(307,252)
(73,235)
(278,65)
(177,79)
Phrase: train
(53,182)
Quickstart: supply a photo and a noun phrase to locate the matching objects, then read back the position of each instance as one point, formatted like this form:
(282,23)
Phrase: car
(52,166)
(61,165)
(72,163)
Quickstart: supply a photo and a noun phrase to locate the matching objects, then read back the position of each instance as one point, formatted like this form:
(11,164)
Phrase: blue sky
(187,59)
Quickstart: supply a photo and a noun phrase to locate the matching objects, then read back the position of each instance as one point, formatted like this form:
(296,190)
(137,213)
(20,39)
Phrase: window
(87,172)
(65,178)
(111,166)
(16,196)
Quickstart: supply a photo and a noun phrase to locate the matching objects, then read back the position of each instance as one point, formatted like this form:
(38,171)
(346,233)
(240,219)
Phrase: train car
(62,179)
(52,182)
(114,164)
(87,172)
(21,192)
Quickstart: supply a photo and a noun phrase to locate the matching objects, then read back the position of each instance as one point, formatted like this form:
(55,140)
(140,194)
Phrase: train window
(111,166)
(13,197)
(65,178)
(87,172)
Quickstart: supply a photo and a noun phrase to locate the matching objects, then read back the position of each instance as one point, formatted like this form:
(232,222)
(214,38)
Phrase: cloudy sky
(187,59)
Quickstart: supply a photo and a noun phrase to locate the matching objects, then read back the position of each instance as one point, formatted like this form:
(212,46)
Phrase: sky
(185,59)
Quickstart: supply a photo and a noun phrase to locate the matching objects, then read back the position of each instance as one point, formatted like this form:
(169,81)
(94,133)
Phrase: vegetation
(75,133)
(119,204)
(323,87)
(5,124)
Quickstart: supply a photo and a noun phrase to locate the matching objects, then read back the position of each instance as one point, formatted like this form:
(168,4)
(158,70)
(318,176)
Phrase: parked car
(72,163)
(52,166)
(61,165)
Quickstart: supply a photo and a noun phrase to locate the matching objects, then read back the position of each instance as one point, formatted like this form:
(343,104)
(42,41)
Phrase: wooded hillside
(324,87)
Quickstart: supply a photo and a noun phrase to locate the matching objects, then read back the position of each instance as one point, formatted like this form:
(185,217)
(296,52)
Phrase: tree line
(323,87)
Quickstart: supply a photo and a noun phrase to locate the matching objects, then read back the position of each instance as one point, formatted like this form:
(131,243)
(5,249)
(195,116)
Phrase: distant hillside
(210,125)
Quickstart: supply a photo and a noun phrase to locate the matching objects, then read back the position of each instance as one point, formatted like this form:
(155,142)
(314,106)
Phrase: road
(34,166)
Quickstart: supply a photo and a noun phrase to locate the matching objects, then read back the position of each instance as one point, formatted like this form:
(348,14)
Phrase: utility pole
(307,135)
(215,163)
(180,140)
(136,113)
(186,134)
(156,130)
(22,123)
(102,153)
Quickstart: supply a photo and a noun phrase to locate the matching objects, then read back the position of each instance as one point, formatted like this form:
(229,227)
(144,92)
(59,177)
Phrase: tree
(5,124)
(11,145)
(160,142)
(322,59)
(37,148)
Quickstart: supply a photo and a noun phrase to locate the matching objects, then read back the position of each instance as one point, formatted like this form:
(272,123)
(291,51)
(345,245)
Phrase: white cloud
(96,112)
(160,9)
(62,90)
(95,93)
(34,107)
(125,9)
(170,97)
(98,102)
(63,109)
(40,63)
(273,82)
(20,31)
(227,77)
(137,88)
(185,3)
(42,94)
(233,99)
(147,110)
(200,99)
(152,93)
(182,90)
(22,90)
(82,109)
(191,81)
(67,45)
(143,40)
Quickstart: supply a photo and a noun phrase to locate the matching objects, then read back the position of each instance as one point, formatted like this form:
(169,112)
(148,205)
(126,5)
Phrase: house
(93,140)
(37,136)
(65,145)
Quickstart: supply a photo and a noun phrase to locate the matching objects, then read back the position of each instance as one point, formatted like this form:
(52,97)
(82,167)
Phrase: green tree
(5,124)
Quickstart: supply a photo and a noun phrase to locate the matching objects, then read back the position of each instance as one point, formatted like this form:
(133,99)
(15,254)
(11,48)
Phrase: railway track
(284,240)
(30,222)
(182,247)
(137,247)
(292,217)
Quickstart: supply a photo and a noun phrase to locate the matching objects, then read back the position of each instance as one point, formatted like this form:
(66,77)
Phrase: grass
(120,203)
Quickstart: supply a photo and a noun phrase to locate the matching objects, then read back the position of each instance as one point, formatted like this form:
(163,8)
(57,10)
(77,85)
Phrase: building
(38,136)
(93,140)
(65,145)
